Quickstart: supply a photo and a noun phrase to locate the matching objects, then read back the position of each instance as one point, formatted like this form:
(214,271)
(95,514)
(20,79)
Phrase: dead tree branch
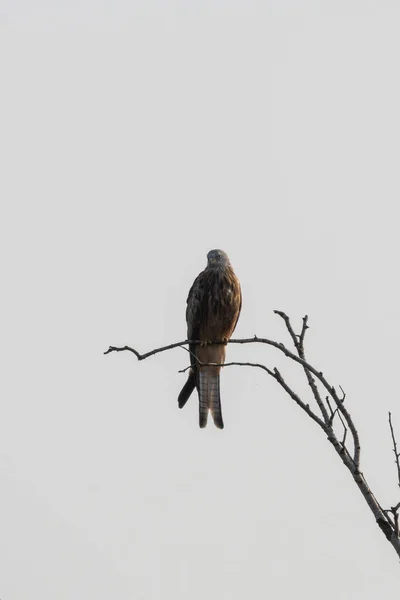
(395,509)
(147,354)
(329,407)
(396,453)
(299,345)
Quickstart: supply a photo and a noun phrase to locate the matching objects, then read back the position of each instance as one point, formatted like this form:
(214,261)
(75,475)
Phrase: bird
(213,308)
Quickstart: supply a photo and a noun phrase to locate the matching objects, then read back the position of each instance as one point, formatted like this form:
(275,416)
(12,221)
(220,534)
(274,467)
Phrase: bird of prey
(213,308)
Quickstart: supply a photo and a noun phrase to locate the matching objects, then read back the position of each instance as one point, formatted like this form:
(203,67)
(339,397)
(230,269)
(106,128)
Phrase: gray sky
(135,137)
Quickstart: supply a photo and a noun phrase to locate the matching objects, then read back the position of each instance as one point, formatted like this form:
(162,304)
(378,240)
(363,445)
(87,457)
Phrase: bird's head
(217,258)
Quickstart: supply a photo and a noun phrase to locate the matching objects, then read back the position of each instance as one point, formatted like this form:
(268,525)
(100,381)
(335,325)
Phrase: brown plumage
(213,308)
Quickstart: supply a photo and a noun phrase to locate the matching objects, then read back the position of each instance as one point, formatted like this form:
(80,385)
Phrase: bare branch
(344,430)
(331,418)
(396,453)
(282,348)
(288,327)
(387,520)
(147,354)
(356,439)
(303,330)
(299,345)
(333,412)
(292,394)
(231,364)
(344,394)
(396,522)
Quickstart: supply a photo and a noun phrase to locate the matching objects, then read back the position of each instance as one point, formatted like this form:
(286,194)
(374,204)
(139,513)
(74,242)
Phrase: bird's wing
(196,310)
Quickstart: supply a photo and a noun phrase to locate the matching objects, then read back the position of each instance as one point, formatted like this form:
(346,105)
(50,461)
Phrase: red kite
(213,308)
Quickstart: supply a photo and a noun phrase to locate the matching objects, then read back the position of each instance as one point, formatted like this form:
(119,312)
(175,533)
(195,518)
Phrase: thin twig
(288,327)
(350,423)
(333,415)
(395,509)
(396,454)
(344,394)
(147,354)
(303,330)
(333,412)
(344,430)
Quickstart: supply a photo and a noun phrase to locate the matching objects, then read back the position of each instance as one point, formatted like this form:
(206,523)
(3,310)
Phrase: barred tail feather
(209,399)
(203,398)
(215,401)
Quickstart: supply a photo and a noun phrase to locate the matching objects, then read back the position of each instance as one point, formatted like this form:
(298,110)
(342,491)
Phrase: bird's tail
(209,398)
(187,390)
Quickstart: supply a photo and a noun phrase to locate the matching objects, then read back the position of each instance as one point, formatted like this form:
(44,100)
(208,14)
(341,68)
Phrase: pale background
(136,136)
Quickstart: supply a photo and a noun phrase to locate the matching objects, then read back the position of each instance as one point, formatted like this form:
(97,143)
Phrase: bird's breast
(222,307)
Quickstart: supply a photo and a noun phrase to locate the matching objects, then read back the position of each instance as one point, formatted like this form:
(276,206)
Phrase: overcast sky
(136,136)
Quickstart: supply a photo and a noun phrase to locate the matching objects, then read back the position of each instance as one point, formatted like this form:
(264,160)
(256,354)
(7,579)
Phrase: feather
(187,390)
(209,398)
